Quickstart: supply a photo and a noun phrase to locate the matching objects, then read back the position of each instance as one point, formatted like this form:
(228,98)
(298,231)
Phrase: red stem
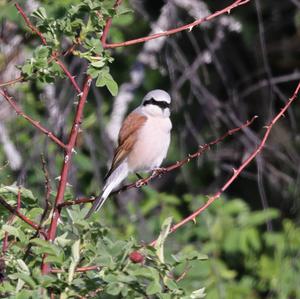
(79,269)
(10,220)
(68,74)
(178,164)
(11,82)
(66,166)
(168,32)
(54,55)
(107,26)
(32,121)
(236,172)
(29,24)
(14,211)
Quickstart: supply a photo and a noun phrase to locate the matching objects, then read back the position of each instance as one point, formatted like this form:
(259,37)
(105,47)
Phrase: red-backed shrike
(144,140)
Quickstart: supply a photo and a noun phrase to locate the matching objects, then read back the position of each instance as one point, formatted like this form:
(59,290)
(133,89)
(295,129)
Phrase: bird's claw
(140,183)
(159,171)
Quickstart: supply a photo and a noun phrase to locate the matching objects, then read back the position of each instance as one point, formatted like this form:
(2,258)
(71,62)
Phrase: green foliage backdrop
(246,245)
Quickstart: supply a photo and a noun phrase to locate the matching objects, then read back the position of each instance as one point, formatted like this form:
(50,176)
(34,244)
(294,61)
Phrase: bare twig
(79,269)
(159,172)
(66,166)
(35,123)
(237,172)
(189,26)
(108,24)
(15,211)
(11,82)
(53,55)
(30,25)
(10,220)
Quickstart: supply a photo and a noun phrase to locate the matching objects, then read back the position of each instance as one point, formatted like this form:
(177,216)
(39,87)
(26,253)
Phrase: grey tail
(97,204)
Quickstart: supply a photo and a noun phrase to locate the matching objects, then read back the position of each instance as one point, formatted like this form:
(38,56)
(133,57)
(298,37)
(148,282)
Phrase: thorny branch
(35,123)
(237,172)
(54,55)
(9,221)
(189,27)
(51,234)
(202,149)
(16,212)
(69,147)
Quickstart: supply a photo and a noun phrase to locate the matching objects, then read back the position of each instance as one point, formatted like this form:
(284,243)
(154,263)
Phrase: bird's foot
(159,171)
(140,183)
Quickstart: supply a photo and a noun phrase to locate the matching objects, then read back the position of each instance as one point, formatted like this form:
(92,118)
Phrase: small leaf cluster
(82,243)
(80,27)
(41,66)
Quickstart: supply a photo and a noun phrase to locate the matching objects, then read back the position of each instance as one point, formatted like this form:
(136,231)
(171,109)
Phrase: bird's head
(157,103)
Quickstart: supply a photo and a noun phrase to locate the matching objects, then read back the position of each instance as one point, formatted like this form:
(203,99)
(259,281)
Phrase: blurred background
(219,75)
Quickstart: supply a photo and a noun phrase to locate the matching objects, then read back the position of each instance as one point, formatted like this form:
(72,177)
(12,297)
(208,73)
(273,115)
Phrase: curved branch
(11,82)
(158,172)
(15,211)
(189,27)
(237,172)
(35,123)
(53,55)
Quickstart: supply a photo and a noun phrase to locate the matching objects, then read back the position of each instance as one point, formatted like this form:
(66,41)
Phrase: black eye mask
(161,104)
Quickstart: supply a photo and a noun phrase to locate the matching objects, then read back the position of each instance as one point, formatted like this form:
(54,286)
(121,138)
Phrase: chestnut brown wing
(127,138)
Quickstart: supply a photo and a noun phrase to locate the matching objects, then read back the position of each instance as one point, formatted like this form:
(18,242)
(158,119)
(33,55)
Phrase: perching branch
(189,27)
(35,123)
(237,172)
(138,184)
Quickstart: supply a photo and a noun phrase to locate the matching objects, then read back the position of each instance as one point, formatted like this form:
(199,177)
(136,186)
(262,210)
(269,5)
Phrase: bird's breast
(151,146)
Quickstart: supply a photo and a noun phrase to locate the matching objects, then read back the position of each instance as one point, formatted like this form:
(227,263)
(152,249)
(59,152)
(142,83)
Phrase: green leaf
(26,279)
(154,287)
(200,293)
(75,257)
(190,255)
(101,81)
(93,72)
(114,288)
(40,13)
(159,245)
(45,247)
(112,86)
(22,266)
(98,64)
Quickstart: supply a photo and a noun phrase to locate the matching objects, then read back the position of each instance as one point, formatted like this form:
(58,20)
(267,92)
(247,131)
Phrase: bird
(143,143)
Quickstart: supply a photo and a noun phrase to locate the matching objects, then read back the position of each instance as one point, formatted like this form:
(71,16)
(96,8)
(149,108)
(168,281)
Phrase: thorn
(234,170)
(66,158)
(80,94)
(266,127)
(190,28)
(74,151)
(58,178)
(228,11)
(194,220)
